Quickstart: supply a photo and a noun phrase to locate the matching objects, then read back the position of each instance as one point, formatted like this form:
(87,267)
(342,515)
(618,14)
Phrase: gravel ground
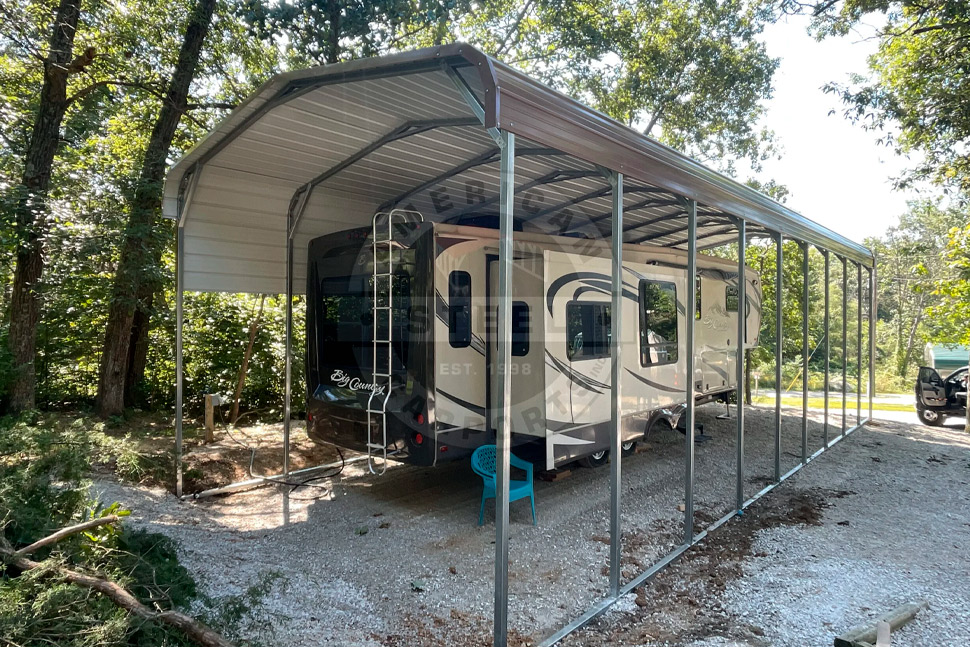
(351,558)
(880,521)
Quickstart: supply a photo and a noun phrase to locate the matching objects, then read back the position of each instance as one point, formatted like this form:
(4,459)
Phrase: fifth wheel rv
(401,340)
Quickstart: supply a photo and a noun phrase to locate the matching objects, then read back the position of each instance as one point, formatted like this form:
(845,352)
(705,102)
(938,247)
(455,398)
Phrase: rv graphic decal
(343,380)
(655,385)
(717,322)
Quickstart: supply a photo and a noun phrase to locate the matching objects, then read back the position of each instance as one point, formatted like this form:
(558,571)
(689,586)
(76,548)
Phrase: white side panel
(528,381)
(460,375)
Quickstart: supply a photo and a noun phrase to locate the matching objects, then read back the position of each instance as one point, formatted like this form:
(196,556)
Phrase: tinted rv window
(459,309)
(731,300)
(520,329)
(658,323)
(587,330)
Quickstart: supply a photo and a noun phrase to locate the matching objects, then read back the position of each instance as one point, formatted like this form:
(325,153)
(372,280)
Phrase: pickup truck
(937,398)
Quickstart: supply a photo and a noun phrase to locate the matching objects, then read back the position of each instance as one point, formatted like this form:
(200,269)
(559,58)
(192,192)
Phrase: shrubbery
(44,465)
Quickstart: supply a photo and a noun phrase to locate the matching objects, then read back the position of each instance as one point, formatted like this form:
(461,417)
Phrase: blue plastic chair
(483,463)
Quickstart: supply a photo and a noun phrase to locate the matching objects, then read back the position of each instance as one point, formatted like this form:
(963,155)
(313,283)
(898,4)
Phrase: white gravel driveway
(351,560)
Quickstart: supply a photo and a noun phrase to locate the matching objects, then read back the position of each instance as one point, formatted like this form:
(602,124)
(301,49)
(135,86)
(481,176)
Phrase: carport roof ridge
(510,101)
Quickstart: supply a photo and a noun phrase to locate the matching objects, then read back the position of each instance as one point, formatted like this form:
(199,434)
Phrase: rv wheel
(628,448)
(596,459)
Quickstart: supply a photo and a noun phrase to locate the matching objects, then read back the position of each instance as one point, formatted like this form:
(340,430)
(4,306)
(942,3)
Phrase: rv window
(587,330)
(658,323)
(731,300)
(520,329)
(459,309)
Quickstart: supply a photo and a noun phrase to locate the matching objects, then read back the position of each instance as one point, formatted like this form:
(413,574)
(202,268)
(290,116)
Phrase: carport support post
(845,331)
(288,357)
(779,325)
(858,380)
(805,250)
(689,412)
(872,340)
(828,349)
(616,413)
(506,142)
(742,320)
(179,318)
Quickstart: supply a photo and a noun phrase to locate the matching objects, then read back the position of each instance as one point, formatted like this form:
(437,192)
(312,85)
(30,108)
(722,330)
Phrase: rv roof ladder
(384,244)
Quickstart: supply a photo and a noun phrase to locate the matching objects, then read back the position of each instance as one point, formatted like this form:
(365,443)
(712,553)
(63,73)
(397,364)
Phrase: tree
(951,313)
(30,219)
(318,33)
(909,264)
(64,101)
(916,91)
(691,74)
(142,245)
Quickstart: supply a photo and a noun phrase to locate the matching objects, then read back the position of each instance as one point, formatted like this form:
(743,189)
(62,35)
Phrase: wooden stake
(210,420)
(866,634)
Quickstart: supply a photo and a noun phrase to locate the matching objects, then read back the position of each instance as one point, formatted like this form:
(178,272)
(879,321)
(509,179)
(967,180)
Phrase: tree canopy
(915,93)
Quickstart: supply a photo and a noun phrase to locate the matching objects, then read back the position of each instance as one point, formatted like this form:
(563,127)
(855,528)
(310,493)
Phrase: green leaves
(915,93)
(951,313)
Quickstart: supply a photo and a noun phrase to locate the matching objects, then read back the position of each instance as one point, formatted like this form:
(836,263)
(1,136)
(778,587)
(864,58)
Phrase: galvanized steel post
(828,352)
(288,357)
(742,320)
(805,249)
(845,332)
(616,364)
(872,336)
(858,380)
(179,377)
(503,430)
(779,351)
(691,307)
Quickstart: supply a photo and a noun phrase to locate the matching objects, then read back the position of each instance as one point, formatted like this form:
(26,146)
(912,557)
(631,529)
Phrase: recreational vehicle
(401,339)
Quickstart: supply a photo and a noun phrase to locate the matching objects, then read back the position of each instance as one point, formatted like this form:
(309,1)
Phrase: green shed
(946,358)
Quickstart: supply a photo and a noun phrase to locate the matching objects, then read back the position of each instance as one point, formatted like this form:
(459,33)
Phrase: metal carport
(448,131)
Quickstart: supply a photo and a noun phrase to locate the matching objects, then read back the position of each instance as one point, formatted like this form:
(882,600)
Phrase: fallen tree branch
(66,532)
(193,629)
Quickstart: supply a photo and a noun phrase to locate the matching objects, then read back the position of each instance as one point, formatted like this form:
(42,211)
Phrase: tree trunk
(912,335)
(244,368)
(31,210)
(333,38)
(138,350)
(142,242)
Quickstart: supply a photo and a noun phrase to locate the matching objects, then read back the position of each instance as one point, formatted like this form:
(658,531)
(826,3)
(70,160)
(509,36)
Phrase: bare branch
(66,532)
(514,28)
(215,105)
(193,629)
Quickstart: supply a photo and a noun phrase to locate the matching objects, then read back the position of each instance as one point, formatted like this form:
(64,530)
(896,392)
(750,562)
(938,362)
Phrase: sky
(838,175)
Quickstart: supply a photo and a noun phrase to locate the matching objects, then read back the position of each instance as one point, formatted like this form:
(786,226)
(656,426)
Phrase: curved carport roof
(320,150)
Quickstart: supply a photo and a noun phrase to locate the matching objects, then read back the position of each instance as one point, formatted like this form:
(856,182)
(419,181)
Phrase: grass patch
(834,404)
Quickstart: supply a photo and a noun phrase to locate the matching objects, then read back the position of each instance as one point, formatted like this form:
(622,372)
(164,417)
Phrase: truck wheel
(596,459)
(628,448)
(931,417)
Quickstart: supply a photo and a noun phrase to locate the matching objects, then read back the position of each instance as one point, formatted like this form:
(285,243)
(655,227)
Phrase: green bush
(43,487)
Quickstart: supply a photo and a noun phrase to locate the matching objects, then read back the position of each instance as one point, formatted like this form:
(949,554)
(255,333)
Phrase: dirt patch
(227,459)
(681,603)
(460,629)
